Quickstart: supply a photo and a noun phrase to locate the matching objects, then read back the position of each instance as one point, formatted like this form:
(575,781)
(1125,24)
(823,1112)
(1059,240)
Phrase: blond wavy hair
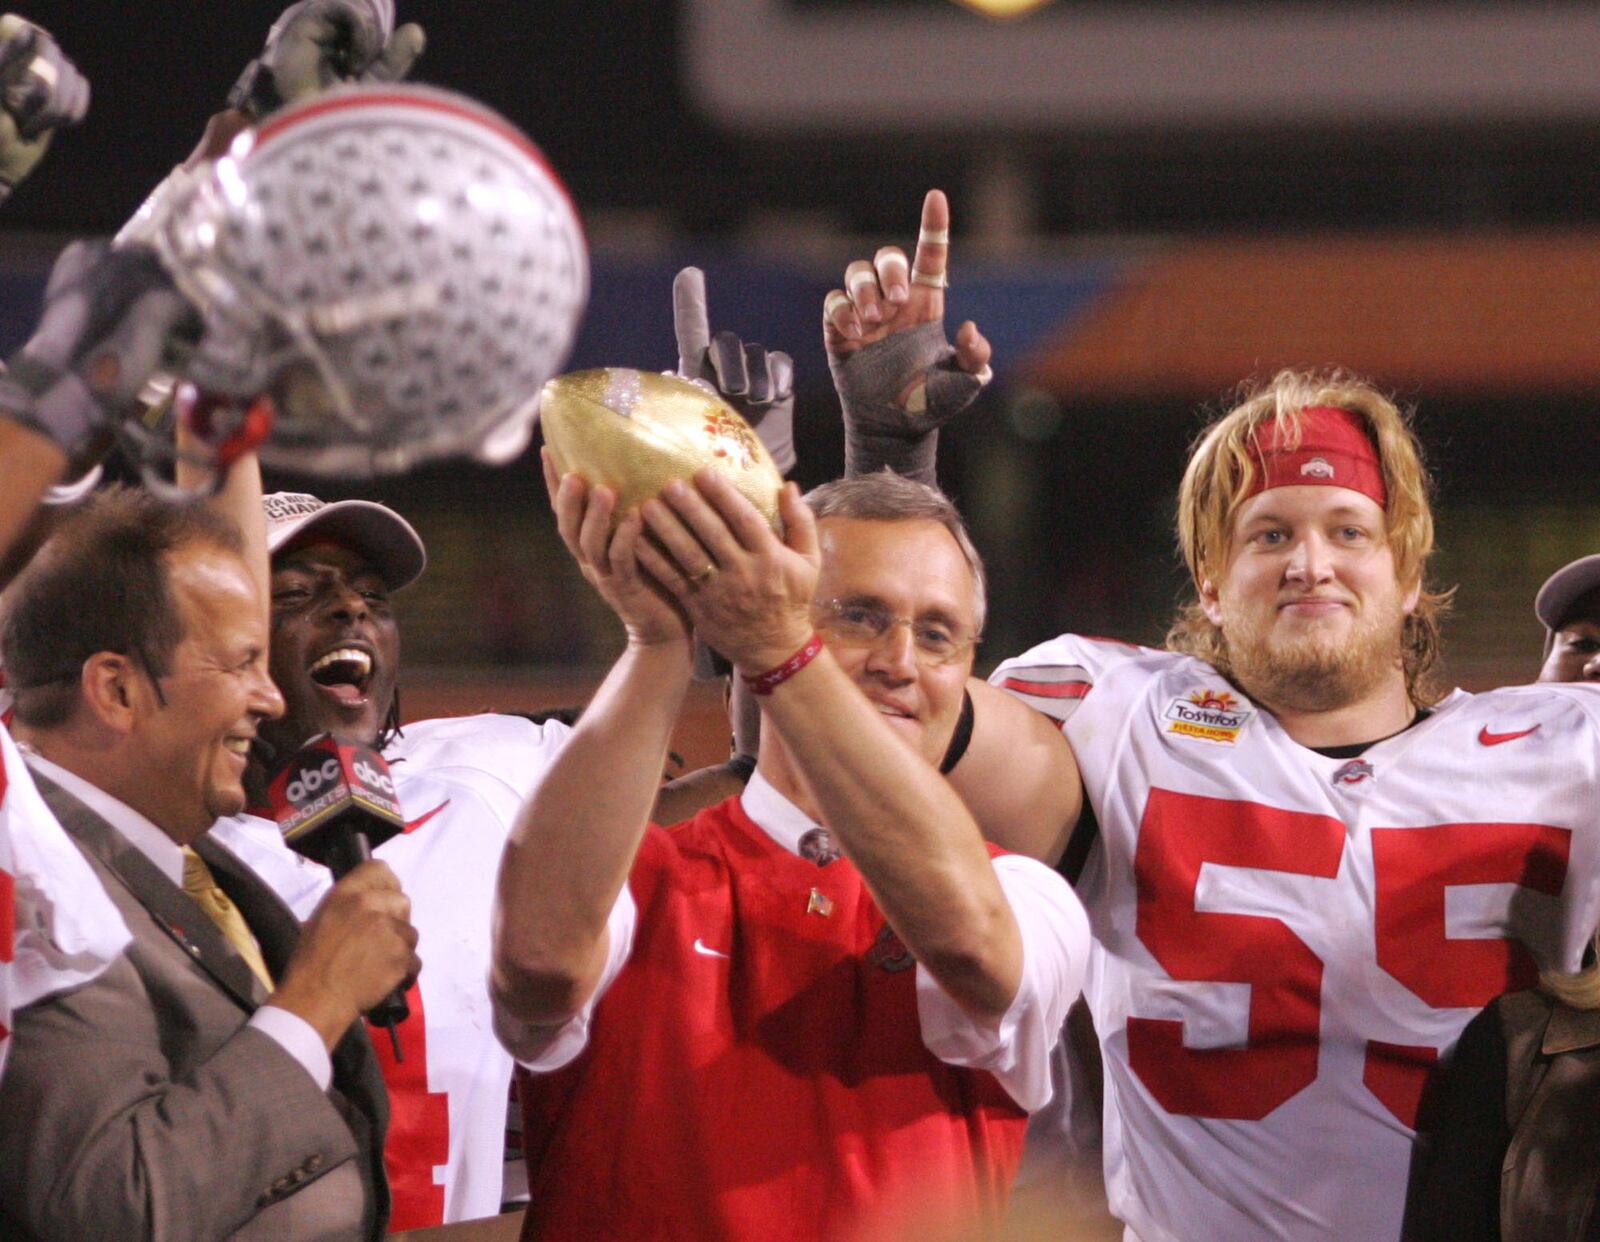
(1578,991)
(1219,477)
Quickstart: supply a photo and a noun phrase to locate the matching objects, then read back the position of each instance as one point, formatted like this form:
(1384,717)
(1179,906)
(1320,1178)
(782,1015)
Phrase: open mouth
(343,674)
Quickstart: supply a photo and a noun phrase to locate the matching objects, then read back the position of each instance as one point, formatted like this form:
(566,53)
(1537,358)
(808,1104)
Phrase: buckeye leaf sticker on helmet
(636,430)
(397,267)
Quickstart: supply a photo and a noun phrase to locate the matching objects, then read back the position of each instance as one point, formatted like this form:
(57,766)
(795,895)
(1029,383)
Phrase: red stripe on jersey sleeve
(1048,689)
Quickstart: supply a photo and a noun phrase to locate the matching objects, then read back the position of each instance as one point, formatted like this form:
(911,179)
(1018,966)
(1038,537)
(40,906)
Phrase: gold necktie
(200,884)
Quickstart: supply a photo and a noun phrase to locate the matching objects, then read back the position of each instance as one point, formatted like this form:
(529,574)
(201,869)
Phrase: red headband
(1334,451)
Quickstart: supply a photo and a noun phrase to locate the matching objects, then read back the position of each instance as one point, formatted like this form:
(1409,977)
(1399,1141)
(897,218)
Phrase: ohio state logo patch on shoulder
(1208,715)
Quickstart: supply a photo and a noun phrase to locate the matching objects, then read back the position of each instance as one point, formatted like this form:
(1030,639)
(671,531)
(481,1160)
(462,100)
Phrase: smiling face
(1575,648)
(1309,603)
(908,569)
(335,645)
(217,693)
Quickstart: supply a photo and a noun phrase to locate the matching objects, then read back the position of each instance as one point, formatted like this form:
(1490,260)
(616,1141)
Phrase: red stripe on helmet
(429,103)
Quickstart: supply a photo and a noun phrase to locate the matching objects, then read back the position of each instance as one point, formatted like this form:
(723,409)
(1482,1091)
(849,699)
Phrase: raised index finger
(933,238)
(690,322)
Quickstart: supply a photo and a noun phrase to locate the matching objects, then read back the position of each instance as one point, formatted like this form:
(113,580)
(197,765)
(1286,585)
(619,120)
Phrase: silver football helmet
(396,267)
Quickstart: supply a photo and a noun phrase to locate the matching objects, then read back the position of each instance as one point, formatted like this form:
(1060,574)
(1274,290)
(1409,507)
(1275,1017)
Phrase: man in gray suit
(179,1095)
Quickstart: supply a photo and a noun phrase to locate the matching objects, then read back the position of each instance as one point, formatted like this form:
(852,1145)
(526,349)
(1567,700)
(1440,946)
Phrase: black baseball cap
(1564,588)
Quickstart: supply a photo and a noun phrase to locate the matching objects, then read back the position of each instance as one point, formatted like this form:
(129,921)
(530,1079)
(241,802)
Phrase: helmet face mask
(396,267)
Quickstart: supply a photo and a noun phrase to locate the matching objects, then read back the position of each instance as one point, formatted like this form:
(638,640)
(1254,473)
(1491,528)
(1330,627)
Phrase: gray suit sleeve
(104,1138)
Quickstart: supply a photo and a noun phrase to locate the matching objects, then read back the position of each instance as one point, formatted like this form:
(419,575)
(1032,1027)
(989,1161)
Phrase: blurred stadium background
(1152,201)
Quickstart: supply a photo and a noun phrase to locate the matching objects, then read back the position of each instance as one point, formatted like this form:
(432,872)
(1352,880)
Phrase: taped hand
(898,377)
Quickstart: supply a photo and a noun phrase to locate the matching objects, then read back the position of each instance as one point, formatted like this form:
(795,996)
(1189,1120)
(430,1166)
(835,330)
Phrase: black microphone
(334,803)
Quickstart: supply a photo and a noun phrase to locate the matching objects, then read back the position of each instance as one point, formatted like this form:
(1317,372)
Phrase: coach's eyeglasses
(863,623)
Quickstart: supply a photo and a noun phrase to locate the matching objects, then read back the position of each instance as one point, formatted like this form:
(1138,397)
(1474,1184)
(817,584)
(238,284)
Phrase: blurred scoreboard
(774,67)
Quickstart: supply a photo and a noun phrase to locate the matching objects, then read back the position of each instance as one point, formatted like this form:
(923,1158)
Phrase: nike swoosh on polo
(705,950)
(1495,739)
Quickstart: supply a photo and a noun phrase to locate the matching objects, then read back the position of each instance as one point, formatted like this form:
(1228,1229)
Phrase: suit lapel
(356,1074)
(172,909)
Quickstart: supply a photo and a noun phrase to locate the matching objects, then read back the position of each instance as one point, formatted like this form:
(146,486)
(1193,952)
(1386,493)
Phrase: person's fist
(112,317)
(357,947)
(316,44)
(40,91)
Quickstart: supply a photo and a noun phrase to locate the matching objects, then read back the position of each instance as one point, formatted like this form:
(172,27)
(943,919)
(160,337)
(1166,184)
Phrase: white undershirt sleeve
(543,1049)
(1055,953)
(297,1037)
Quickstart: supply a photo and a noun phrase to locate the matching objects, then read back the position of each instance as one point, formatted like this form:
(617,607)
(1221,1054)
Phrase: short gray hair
(889,497)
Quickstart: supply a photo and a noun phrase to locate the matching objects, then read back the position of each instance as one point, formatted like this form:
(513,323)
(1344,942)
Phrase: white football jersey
(460,782)
(58,928)
(1286,942)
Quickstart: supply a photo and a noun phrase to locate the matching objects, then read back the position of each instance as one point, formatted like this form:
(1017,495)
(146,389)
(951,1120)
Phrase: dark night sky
(594,83)
(597,83)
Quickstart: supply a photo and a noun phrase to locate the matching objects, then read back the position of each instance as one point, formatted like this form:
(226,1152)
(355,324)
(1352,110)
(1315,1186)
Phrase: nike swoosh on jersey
(1495,739)
(705,950)
(426,816)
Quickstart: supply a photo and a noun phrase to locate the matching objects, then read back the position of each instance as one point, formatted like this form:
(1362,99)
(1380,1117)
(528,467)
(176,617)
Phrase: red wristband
(767,682)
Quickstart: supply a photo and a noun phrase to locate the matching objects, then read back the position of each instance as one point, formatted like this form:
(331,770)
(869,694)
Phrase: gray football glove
(40,91)
(316,44)
(757,383)
(880,431)
(111,318)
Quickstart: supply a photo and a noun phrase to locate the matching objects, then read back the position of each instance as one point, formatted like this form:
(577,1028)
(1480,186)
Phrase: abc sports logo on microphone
(308,782)
(369,772)
(327,777)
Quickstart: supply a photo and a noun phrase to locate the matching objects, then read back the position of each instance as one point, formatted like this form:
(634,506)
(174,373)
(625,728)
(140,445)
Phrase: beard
(1315,670)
